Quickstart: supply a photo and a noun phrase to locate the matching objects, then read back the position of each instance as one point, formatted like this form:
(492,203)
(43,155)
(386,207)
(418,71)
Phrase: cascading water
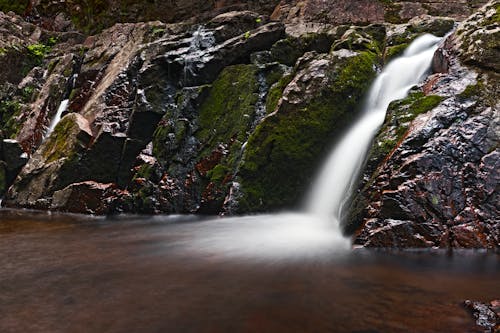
(62,107)
(333,187)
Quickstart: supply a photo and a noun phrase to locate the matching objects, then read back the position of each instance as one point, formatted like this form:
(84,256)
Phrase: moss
(392,13)
(27,93)
(472,90)
(370,38)
(63,141)
(229,107)
(393,51)
(400,114)
(144,171)
(218,173)
(16,6)
(9,110)
(282,154)
(496,17)
(287,51)
(38,50)
(276,92)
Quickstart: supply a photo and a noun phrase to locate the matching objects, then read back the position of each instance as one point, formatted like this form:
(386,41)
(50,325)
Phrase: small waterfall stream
(57,117)
(333,187)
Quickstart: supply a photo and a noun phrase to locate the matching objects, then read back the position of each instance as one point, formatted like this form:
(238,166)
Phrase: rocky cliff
(232,112)
(432,177)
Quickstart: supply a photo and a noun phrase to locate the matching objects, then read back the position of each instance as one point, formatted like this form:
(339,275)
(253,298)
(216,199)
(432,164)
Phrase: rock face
(367,11)
(235,115)
(487,315)
(92,16)
(433,174)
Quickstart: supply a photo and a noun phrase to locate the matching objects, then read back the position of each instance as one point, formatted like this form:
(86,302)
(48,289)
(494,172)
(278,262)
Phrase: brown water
(256,274)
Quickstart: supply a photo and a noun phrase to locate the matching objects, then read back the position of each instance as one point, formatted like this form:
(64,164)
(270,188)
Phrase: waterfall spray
(333,187)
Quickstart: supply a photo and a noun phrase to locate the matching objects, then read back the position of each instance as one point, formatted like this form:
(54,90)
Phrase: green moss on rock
(287,51)
(400,114)
(9,110)
(230,106)
(282,154)
(276,92)
(392,52)
(65,141)
(16,6)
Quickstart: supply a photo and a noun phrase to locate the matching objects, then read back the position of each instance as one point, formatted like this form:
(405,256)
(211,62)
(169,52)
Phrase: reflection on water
(282,273)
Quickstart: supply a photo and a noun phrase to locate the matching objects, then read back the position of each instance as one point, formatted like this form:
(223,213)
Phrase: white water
(62,107)
(334,185)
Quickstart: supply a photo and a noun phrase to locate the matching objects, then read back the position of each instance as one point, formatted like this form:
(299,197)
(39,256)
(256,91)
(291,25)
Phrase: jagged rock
(95,16)
(52,167)
(478,39)
(85,198)
(438,167)
(13,155)
(486,314)
(365,12)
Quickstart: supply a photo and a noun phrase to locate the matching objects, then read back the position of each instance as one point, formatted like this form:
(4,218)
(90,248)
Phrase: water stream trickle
(333,186)
(62,107)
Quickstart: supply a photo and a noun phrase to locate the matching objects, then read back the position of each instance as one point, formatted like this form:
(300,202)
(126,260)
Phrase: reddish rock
(86,198)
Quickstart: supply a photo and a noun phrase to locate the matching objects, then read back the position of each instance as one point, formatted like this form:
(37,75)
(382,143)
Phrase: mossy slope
(283,153)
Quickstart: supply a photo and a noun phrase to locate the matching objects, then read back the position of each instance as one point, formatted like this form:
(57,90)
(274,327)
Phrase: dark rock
(85,198)
(286,147)
(13,155)
(52,166)
(438,167)
(485,314)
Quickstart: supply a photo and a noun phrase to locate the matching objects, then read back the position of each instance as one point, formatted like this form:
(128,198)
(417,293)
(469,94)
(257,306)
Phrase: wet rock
(13,155)
(485,314)
(402,234)
(203,66)
(438,167)
(88,198)
(283,152)
(52,167)
(287,51)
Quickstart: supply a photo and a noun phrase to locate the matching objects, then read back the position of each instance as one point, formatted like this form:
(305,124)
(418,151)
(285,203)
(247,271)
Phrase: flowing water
(63,273)
(57,117)
(333,186)
(268,273)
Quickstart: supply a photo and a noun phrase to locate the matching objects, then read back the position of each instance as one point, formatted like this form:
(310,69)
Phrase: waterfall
(62,107)
(333,187)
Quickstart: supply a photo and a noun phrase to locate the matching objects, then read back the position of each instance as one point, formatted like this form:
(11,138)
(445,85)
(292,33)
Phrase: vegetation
(399,117)
(9,110)
(283,152)
(16,6)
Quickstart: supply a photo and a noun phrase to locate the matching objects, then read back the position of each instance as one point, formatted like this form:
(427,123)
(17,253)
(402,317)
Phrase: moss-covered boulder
(288,50)
(478,38)
(53,165)
(198,144)
(283,153)
(400,36)
(370,38)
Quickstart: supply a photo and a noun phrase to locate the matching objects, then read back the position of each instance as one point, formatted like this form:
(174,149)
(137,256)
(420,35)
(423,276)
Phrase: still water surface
(281,273)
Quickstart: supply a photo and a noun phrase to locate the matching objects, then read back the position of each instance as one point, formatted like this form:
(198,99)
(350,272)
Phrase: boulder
(84,198)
